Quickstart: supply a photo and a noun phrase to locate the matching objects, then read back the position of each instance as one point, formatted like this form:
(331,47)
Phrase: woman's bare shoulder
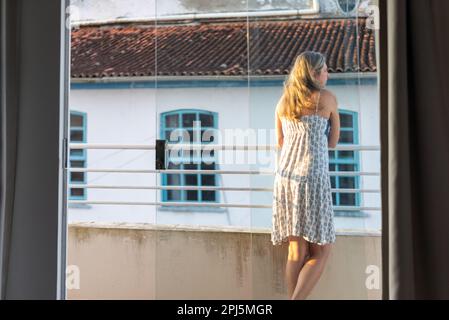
(329,99)
(328,102)
(327,94)
(279,105)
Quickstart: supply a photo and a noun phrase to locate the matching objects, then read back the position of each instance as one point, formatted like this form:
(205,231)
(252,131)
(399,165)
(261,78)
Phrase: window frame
(82,157)
(337,161)
(182,160)
(348,12)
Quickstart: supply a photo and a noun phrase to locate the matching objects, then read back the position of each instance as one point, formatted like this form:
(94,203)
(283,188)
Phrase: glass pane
(208,179)
(192,195)
(334,199)
(207,166)
(208,195)
(187,120)
(76,136)
(77,176)
(122,114)
(77,164)
(346,167)
(76,152)
(174,135)
(168,136)
(347,5)
(174,166)
(346,120)
(173,195)
(191,166)
(346,137)
(188,136)
(187,154)
(347,182)
(77,192)
(191,179)
(172,121)
(346,154)
(173,179)
(207,120)
(332,154)
(76,120)
(347,199)
(331,167)
(208,136)
(328,128)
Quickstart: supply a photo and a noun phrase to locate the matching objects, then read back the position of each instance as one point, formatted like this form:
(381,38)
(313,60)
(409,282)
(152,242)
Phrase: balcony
(174,261)
(181,262)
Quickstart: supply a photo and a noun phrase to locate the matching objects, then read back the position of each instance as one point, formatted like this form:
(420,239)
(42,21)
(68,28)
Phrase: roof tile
(220,49)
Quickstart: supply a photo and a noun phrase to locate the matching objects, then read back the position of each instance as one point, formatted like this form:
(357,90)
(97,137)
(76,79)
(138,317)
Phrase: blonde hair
(301,84)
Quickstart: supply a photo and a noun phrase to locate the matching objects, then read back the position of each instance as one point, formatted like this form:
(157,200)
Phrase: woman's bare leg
(311,271)
(298,252)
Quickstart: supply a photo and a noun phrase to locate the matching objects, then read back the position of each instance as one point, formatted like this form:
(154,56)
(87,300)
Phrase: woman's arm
(279,133)
(334,134)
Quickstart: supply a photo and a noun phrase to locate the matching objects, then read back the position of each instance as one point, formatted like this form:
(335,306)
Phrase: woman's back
(305,149)
(322,105)
(302,201)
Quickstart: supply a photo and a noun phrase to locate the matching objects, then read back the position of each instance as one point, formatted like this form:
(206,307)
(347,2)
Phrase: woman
(302,200)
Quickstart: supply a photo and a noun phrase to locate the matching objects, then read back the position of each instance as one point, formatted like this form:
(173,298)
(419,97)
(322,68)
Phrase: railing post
(65,154)
(161,146)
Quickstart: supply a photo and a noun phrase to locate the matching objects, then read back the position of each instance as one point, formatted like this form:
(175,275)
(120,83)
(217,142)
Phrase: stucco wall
(113,9)
(131,116)
(173,262)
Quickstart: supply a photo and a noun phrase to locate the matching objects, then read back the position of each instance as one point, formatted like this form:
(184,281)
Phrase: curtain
(415,148)
(9,120)
(32,103)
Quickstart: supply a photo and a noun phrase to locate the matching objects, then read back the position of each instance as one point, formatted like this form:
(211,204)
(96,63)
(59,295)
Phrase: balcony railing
(186,171)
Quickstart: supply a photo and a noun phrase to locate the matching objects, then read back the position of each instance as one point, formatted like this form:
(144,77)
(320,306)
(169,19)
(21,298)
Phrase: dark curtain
(415,148)
(9,122)
(33,95)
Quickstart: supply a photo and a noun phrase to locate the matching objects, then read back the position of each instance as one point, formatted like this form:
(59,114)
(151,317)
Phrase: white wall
(364,99)
(121,117)
(130,116)
(84,10)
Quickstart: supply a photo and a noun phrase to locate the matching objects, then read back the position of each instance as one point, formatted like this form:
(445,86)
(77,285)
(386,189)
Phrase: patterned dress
(302,199)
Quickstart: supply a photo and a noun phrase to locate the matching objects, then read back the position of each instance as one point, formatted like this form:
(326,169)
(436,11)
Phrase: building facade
(134,83)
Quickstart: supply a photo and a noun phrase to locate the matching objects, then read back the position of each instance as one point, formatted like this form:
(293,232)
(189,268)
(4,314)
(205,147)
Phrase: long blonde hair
(301,84)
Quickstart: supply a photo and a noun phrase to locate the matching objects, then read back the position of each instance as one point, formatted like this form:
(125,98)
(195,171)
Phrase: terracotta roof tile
(220,49)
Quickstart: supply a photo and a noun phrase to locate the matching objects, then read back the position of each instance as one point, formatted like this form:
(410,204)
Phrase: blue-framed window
(78,157)
(347,5)
(174,126)
(341,161)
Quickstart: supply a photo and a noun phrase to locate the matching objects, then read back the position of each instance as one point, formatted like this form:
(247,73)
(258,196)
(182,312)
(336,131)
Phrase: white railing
(187,146)
(168,171)
(204,204)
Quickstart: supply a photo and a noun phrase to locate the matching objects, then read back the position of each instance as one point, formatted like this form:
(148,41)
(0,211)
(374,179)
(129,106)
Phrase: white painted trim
(353,75)
(349,75)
